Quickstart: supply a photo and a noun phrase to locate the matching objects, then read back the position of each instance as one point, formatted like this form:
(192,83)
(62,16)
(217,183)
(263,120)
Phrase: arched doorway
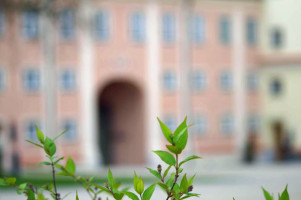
(120,122)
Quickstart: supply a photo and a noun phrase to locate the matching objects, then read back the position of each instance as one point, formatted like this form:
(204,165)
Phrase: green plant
(172,181)
(283,196)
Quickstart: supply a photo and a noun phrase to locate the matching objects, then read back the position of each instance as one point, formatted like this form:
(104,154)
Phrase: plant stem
(54,182)
(176,177)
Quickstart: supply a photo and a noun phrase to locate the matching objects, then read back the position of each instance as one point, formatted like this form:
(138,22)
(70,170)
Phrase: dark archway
(121,124)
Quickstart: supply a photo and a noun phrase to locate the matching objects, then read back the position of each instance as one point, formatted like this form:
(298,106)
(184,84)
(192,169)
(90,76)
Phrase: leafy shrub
(176,185)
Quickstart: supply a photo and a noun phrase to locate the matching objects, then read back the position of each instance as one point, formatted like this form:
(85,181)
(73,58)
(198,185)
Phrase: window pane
(2,22)
(169,81)
(168,28)
(67,80)
(251,31)
(226,81)
(198,80)
(102,25)
(170,122)
(31,80)
(276,38)
(227,125)
(2,80)
(225,30)
(70,127)
(137,27)
(198,29)
(30,24)
(67,24)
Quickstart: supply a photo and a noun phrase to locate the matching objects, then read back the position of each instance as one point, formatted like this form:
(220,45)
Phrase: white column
(88,96)
(153,80)
(239,74)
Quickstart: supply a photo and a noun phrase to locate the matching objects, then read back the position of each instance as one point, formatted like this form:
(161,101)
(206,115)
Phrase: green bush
(171,180)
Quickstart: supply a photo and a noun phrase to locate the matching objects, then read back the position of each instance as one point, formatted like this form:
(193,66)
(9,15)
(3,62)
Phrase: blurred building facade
(280,80)
(120,64)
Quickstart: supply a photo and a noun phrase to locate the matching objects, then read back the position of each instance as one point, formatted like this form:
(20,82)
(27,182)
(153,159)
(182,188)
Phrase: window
(226,81)
(168,28)
(169,81)
(170,122)
(276,38)
(31,80)
(198,29)
(30,24)
(227,124)
(198,81)
(253,123)
(200,125)
(251,31)
(2,22)
(275,87)
(137,27)
(225,30)
(102,27)
(67,80)
(252,81)
(70,127)
(67,24)
(31,131)
(2,80)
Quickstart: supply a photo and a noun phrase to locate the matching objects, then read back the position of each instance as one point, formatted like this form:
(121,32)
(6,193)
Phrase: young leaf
(184,184)
(131,195)
(77,196)
(166,171)
(180,128)
(181,140)
(38,145)
(148,192)
(284,195)
(111,179)
(166,132)
(59,135)
(190,181)
(267,195)
(44,163)
(70,166)
(155,173)
(174,149)
(40,135)
(49,147)
(136,180)
(140,186)
(188,159)
(166,157)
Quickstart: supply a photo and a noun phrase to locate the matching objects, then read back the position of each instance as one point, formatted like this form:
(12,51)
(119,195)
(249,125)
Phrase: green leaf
(166,171)
(166,132)
(155,173)
(111,180)
(140,186)
(44,163)
(59,135)
(58,160)
(70,166)
(163,186)
(131,195)
(166,157)
(174,149)
(31,195)
(40,135)
(190,181)
(148,192)
(180,129)
(188,159)
(184,184)
(136,180)
(284,195)
(181,141)
(76,196)
(180,170)
(2,182)
(100,187)
(10,180)
(267,195)
(38,145)
(117,195)
(49,147)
